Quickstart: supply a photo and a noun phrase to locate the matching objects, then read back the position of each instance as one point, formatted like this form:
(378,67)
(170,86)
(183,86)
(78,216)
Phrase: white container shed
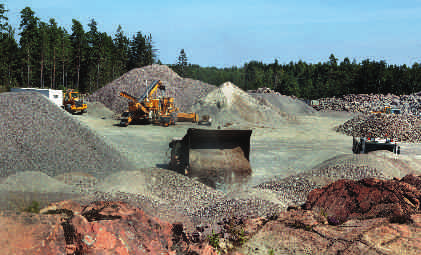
(54,95)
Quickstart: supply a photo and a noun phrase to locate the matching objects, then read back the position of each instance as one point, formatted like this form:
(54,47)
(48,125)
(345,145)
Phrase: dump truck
(210,151)
(367,144)
(73,103)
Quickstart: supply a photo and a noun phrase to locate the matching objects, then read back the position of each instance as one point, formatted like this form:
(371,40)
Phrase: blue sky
(230,33)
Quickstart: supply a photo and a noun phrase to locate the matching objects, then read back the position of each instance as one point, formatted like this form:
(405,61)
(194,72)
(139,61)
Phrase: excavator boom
(128,96)
(148,107)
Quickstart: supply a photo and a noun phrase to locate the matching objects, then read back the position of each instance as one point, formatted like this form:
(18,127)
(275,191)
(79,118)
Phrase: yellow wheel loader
(72,103)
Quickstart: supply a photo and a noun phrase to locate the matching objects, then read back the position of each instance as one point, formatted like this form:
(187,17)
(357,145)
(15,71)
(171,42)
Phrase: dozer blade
(208,152)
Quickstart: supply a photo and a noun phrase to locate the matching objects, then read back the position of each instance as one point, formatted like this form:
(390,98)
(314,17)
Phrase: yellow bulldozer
(72,102)
(153,108)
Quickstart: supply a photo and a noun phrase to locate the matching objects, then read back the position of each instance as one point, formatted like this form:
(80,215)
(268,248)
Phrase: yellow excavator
(149,108)
(152,108)
(72,103)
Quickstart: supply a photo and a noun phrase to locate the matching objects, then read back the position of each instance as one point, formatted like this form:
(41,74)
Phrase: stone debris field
(49,155)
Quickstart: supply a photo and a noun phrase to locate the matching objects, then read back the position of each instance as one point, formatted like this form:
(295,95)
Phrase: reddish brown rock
(98,228)
(412,180)
(31,234)
(302,232)
(367,198)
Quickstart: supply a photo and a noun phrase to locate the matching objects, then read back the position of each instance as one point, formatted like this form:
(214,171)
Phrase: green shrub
(214,240)
(33,208)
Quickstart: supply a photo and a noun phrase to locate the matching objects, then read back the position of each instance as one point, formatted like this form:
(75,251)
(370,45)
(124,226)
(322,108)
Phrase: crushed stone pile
(295,189)
(364,103)
(283,104)
(37,135)
(399,127)
(185,91)
(229,105)
(99,110)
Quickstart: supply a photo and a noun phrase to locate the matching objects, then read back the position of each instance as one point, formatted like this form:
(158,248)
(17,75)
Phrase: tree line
(312,81)
(49,56)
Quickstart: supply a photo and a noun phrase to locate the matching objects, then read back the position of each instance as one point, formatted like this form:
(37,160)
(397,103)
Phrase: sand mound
(230,104)
(32,181)
(37,135)
(284,104)
(185,91)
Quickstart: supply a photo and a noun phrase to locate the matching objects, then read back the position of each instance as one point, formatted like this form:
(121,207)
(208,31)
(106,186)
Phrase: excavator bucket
(203,152)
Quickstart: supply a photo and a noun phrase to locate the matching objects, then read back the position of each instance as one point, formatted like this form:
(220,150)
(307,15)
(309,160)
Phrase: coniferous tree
(138,53)
(29,44)
(64,58)
(54,39)
(182,63)
(8,51)
(121,53)
(43,48)
(94,39)
(79,46)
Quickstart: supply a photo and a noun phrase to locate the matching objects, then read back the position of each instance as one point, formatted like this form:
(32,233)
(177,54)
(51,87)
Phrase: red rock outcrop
(97,228)
(367,198)
(306,232)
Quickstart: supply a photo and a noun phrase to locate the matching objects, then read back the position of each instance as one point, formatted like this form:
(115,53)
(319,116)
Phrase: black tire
(357,148)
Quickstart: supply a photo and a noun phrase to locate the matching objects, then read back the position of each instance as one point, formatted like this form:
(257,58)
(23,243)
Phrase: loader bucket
(208,153)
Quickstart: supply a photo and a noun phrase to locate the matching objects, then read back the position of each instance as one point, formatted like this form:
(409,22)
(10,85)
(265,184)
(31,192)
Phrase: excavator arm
(128,96)
(152,89)
(134,100)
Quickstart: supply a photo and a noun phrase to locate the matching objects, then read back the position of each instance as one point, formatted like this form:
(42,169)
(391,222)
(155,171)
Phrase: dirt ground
(297,146)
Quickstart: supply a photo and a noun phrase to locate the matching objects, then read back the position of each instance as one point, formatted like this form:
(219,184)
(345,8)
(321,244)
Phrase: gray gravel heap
(185,91)
(399,127)
(283,104)
(38,135)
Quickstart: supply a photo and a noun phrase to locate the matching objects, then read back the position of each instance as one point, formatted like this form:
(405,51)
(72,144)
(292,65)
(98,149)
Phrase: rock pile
(365,103)
(399,127)
(230,105)
(295,189)
(185,91)
(368,198)
(37,135)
